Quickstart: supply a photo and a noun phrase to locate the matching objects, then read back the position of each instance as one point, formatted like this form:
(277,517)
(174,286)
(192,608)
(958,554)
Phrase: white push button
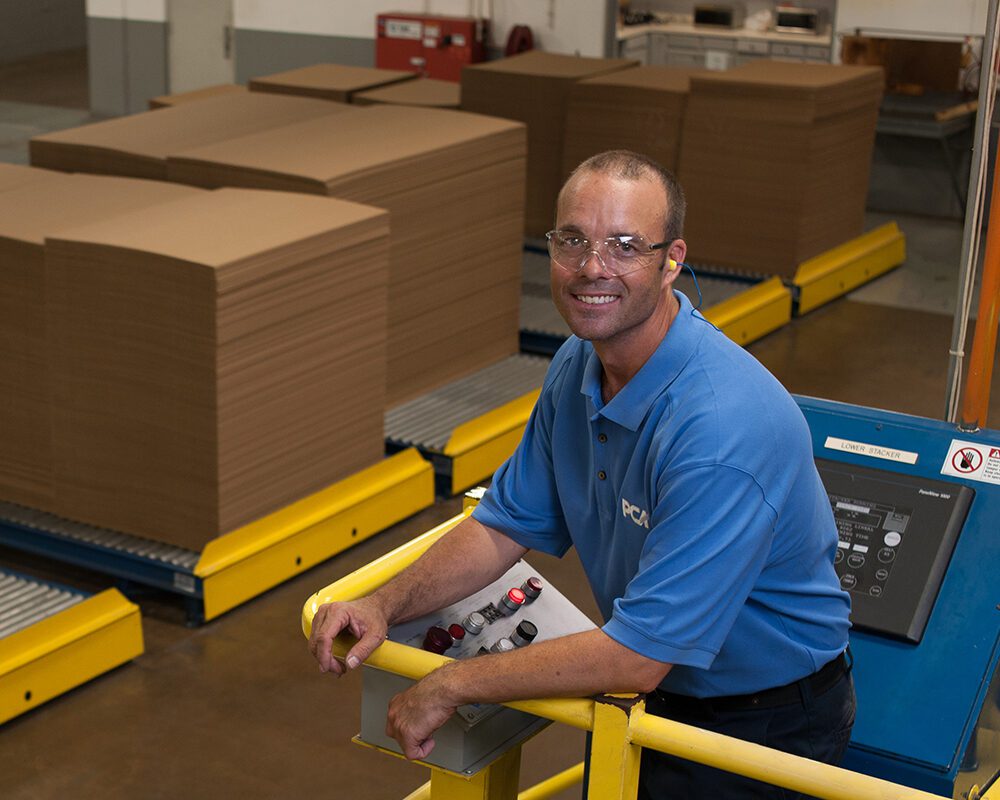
(474,623)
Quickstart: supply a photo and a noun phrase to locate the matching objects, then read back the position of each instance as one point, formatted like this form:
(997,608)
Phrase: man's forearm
(571,666)
(461,562)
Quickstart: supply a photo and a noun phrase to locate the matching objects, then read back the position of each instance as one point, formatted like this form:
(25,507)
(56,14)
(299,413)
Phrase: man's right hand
(362,618)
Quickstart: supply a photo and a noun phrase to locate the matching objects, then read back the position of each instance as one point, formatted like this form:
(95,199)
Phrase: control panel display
(515,611)
(896,535)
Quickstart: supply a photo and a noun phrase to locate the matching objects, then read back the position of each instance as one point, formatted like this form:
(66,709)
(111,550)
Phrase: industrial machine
(435,46)
(917,503)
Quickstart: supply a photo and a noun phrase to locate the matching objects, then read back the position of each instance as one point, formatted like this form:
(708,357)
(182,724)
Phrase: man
(682,472)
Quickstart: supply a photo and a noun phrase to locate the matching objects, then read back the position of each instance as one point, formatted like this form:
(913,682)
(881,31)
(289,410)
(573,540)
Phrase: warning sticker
(403,29)
(973,460)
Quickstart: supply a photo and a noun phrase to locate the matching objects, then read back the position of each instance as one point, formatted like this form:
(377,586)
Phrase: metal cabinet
(799,52)
(635,47)
(760,47)
(722,52)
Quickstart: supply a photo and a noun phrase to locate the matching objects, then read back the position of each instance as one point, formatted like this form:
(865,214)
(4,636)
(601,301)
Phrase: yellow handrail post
(498,781)
(614,760)
(989,791)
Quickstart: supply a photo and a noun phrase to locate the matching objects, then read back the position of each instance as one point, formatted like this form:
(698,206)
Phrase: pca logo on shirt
(636,514)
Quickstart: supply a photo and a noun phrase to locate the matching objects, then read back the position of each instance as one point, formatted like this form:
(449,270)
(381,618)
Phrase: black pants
(816,727)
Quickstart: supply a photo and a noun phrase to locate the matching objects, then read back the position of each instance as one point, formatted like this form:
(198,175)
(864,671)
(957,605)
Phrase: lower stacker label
(975,461)
(871,450)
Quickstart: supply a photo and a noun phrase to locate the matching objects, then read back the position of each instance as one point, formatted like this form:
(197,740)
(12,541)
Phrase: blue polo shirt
(694,503)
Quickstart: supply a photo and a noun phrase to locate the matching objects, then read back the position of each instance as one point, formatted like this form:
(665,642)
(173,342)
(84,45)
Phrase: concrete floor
(236,708)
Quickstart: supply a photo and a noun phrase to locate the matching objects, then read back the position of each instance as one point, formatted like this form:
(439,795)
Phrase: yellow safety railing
(620,726)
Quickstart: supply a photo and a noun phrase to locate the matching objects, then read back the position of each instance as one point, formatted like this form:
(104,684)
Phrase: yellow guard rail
(620,725)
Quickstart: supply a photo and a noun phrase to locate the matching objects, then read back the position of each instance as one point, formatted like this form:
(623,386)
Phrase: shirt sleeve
(522,501)
(710,537)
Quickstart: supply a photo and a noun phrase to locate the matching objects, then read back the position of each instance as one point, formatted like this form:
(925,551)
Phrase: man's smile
(596,299)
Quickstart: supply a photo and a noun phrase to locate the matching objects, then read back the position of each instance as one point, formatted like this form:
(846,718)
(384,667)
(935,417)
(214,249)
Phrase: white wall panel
(952,18)
(109,9)
(566,26)
(146,10)
(138,10)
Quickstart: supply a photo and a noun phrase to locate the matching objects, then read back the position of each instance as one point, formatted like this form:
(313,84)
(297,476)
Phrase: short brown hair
(632,166)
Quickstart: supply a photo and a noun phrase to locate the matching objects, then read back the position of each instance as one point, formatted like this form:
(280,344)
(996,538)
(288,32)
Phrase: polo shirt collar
(629,407)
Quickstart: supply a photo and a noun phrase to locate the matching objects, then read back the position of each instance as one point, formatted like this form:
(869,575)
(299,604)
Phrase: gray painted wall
(32,27)
(127,64)
(266,52)
(145,62)
(106,65)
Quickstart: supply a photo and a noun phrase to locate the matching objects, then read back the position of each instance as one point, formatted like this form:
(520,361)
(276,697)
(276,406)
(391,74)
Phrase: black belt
(818,683)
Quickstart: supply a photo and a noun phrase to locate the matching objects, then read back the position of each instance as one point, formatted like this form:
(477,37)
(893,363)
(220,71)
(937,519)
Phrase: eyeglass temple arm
(673,264)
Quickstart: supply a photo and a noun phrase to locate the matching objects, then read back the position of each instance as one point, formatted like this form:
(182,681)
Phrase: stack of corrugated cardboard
(453,183)
(40,205)
(426,92)
(639,109)
(534,87)
(169,100)
(215,358)
(775,159)
(328,81)
(14,175)
(137,146)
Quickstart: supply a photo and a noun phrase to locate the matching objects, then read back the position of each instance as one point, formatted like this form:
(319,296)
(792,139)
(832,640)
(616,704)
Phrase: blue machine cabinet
(919,702)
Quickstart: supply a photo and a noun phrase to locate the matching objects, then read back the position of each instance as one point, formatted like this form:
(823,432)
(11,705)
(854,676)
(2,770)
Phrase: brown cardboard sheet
(328,81)
(640,109)
(137,145)
(215,358)
(775,160)
(15,175)
(453,183)
(169,100)
(534,88)
(29,213)
(426,92)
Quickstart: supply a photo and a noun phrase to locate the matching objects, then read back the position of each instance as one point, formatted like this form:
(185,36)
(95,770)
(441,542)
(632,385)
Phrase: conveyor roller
(24,601)
(469,426)
(122,543)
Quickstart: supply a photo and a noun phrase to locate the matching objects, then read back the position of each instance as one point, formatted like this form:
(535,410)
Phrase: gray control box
(508,615)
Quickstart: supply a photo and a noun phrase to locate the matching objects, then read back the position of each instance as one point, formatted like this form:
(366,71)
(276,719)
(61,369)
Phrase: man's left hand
(414,716)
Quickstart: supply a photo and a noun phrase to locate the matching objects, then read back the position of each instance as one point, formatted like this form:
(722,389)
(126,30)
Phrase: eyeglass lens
(618,255)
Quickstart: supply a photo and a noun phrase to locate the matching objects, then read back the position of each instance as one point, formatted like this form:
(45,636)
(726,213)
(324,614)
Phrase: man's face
(595,304)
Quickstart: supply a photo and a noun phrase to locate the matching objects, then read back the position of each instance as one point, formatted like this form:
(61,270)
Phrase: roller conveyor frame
(128,557)
(25,600)
(54,638)
(239,565)
(846,267)
(468,427)
(834,272)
